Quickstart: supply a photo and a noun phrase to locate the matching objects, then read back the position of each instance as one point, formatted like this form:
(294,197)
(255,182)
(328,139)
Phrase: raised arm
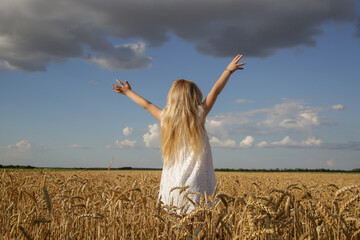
(220,83)
(142,102)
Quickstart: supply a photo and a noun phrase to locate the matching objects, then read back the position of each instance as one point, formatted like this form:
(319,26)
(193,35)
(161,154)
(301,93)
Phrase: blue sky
(294,106)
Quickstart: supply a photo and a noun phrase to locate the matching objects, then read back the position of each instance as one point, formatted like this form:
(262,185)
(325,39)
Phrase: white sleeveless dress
(198,174)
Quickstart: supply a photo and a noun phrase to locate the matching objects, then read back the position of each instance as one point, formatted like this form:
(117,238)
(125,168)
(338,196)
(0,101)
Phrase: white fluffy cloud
(293,117)
(248,142)
(228,143)
(20,150)
(291,114)
(128,131)
(338,107)
(221,124)
(288,116)
(288,142)
(122,144)
(152,137)
(21,146)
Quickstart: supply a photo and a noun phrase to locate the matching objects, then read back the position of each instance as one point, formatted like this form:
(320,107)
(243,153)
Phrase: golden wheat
(125,205)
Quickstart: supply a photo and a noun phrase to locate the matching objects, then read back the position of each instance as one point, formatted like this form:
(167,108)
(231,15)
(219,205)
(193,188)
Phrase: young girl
(184,142)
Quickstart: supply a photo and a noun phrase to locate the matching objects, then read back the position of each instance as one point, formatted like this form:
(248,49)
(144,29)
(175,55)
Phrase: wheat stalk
(112,160)
(344,189)
(47,199)
(25,233)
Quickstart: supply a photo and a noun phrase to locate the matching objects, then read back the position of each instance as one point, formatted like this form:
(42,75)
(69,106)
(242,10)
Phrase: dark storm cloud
(357,34)
(34,33)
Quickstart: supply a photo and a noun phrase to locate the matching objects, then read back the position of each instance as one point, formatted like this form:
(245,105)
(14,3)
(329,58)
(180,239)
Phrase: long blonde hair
(180,123)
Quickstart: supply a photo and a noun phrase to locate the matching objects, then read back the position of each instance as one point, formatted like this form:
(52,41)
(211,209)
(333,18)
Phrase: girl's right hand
(234,65)
(123,88)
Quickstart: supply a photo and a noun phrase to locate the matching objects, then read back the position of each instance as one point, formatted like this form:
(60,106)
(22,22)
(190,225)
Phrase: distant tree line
(76,168)
(286,170)
(357,170)
(17,166)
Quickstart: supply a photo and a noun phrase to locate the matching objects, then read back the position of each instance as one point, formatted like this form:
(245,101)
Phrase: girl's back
(187,168)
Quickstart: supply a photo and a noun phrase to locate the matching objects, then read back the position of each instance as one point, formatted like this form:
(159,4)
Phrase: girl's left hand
(234,65)
(123,88)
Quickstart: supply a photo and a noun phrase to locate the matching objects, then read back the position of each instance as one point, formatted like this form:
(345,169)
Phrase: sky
(295,105)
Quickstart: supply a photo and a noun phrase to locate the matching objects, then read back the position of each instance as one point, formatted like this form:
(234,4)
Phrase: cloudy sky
(294,106)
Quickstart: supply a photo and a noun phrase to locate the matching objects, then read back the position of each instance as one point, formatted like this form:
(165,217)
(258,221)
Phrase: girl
(184,142)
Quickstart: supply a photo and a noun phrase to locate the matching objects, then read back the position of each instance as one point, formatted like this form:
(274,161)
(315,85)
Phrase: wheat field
(125,205)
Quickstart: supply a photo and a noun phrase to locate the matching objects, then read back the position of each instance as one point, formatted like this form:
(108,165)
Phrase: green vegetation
(355,170)
(28,167)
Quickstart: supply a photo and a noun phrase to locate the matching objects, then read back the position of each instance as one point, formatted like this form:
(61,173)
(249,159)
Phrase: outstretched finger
(121,84)
(237,58)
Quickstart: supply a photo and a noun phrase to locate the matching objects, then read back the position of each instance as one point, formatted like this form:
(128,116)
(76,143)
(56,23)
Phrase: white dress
(198,174)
